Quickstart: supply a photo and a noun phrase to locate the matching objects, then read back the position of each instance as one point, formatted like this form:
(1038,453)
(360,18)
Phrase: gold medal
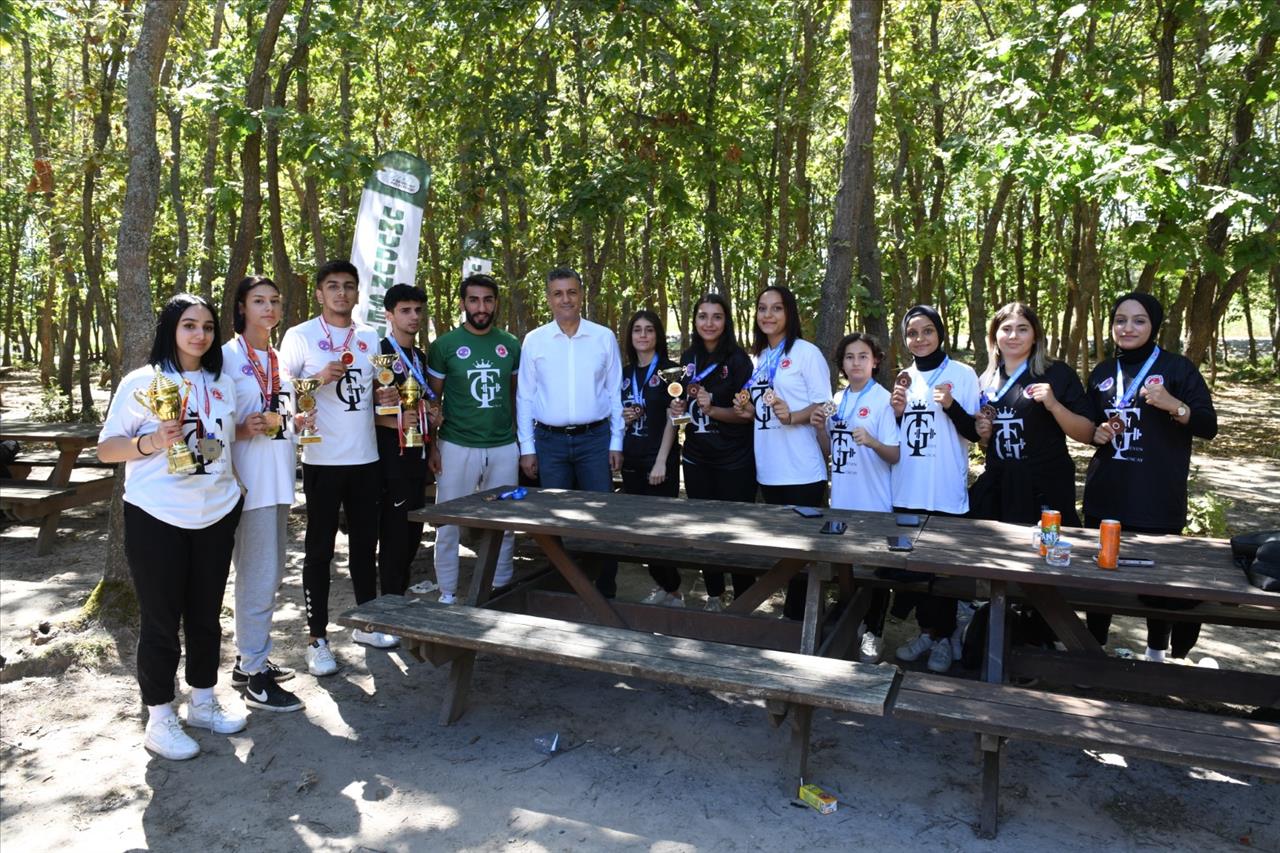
(274,422)
(348,357)
(828,409)
(742,399)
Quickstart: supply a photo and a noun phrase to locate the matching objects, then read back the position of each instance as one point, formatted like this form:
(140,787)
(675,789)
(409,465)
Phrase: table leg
(455,695)
(582,585)
(1062,619)
(801,721)
(486,565)
(461,667)
(61,476)
(993,671)
(766,585)
(812,615)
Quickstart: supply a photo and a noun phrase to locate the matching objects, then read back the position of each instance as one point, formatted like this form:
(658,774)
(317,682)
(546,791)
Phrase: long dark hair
(242,293)
(760,341)
(728,338)
(660,349)
(164,349)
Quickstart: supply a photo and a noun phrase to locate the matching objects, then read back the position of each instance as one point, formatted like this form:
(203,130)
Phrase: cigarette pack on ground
(819,799)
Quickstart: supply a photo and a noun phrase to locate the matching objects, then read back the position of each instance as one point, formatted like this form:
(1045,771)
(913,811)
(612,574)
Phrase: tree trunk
(246,244)
(281,266)
(114,594)
(711,160)
(208,170)
(856,169)
(977,302)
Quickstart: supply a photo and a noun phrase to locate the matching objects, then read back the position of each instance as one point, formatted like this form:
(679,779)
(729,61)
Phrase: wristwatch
(1182,411)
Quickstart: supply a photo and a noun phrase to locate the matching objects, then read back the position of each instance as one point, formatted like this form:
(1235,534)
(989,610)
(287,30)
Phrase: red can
(1108,543)
(1050,527)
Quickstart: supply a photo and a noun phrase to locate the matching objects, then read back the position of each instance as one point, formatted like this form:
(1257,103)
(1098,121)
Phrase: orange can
(1108,543)
(1050,527)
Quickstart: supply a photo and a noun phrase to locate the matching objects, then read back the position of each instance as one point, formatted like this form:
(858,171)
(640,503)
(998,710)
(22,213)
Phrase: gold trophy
(410,394)
(386,377)
(163,400)
(674,377)
(305,388)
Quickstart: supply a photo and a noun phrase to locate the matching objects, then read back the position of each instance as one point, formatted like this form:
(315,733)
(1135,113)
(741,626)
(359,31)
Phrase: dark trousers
(664,573)
(799,494)
(1159,631)
(180,576)
(933,612)
(357,489)
(708,482)
(398,538)
(579,462)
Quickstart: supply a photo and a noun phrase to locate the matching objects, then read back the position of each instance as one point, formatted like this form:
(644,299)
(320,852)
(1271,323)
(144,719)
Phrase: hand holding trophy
(386,378)
(163,400)
(674,377)
(305,389)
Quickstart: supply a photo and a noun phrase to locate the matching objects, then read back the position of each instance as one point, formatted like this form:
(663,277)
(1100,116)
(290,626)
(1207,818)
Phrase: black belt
(572,429)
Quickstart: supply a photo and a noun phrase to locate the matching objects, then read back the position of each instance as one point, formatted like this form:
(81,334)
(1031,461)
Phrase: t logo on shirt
(349,389)
(1008,435)
(843,450)
(919,430)
(702,422)
(1126,442)
(764,414)
(484,384)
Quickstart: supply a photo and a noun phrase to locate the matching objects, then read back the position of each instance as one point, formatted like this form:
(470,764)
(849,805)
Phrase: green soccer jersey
(479,409)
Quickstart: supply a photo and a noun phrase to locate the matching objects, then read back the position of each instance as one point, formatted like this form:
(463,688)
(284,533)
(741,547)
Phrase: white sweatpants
(259,560)
(464,470)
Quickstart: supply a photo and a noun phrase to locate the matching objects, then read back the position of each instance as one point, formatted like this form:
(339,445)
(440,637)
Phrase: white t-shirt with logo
(860,479)
(933,469)
(191,501)
(790,455)
(266,466)
(344,409)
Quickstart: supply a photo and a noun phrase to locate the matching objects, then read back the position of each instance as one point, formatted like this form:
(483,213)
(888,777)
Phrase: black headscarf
(933,359)
(1155,311)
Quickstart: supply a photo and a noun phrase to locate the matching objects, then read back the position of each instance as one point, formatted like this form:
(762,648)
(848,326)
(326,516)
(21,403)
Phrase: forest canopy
(868,155)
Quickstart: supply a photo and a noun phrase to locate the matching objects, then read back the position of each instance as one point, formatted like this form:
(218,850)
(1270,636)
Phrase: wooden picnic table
(44,500)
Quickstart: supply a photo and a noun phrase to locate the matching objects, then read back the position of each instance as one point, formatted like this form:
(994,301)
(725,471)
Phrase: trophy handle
(144,402)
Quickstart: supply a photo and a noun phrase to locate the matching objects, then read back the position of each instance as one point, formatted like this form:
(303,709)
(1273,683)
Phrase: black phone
(808,511)
(906,520)
(1135,561)
(833,526)
(899,543)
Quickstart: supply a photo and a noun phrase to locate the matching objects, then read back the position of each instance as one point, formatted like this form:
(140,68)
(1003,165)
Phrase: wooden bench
(27,501)
(1170,735)
(454,634)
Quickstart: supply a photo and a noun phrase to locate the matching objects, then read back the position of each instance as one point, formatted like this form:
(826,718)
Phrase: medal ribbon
(637,389)
(842,415)
(412,366)
(204,386)
(270,385)
(986,398)
(769,360)
(346,343)
(1127,399)
(946,359)
(698,377)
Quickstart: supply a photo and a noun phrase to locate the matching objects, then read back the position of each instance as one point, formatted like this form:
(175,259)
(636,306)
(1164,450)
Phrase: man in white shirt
(341,471)
(568,401)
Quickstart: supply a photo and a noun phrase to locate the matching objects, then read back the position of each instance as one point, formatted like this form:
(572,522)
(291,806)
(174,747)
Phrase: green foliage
(1206,510)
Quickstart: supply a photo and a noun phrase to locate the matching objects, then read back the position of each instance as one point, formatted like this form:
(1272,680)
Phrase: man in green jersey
(474,369)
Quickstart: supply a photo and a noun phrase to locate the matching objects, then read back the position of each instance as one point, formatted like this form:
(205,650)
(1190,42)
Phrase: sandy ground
(649,767)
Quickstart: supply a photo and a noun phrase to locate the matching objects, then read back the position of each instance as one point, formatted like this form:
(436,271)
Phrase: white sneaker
(871,648)
(672,599)
(915,648)
(657,595)
(166,739)
(957,641)
(424,587)
(940,658)
(212,716)
(377,639)
(320,660)
(447,598)
(1207,663)
(714,605)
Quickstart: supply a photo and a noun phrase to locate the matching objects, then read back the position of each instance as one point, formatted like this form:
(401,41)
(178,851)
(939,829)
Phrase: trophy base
(681,420)
(386,410)
(181,460)
(310,439)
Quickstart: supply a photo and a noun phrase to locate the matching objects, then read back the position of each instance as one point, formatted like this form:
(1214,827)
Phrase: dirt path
(656,768)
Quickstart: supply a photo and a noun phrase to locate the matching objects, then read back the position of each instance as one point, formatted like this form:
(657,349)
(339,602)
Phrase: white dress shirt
(569,381)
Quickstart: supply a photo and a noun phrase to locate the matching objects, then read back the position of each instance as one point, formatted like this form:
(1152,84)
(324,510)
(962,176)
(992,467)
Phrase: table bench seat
(453,634)
(1169,735)
(21,500)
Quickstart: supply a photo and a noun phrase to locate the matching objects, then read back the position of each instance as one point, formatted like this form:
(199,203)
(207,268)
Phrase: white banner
(385,247)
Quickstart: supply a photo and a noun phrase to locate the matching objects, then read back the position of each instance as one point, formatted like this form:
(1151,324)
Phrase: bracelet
(137,445)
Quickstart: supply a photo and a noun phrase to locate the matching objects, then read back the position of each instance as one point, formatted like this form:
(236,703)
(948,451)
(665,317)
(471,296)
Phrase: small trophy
(305,388)
(163,400)
(386,377)
(674,377)
(410,394)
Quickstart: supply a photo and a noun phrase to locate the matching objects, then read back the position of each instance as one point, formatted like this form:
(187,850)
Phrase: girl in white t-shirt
(266,461)
(861,440)
(789,383)
(179,528)
(935,400)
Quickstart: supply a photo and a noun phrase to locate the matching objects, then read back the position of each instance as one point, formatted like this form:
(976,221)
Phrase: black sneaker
(240,678)
(262,692)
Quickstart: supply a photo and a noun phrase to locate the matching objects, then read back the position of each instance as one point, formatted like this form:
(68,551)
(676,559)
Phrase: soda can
(1050,526)
(1108,543)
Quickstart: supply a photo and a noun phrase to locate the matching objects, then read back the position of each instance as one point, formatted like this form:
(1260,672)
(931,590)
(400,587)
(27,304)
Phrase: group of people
(564,408)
